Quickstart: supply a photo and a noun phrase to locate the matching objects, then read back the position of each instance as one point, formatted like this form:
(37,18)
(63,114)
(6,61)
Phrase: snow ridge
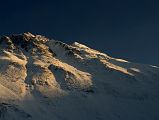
(47,79)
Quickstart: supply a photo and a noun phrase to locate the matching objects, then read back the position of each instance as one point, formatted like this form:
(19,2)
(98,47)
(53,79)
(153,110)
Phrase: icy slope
(49,80)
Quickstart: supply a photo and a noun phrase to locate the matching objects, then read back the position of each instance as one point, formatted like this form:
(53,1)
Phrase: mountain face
(42,79)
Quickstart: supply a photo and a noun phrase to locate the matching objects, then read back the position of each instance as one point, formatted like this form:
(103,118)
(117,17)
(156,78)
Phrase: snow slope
(42,79)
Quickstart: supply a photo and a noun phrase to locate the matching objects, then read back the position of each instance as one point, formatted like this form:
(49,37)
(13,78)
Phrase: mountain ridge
(47,79)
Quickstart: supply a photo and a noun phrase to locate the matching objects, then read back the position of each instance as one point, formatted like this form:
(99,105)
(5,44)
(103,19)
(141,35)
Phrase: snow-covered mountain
(42,79)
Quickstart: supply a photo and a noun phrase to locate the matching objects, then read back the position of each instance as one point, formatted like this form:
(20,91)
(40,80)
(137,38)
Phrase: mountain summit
(46,79)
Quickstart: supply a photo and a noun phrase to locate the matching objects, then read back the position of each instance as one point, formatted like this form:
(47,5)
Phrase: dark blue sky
(126,29)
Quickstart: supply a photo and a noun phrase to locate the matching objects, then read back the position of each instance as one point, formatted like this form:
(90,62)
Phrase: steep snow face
(47,79)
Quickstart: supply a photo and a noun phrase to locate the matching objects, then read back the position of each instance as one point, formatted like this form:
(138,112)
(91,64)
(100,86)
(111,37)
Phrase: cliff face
(48,79)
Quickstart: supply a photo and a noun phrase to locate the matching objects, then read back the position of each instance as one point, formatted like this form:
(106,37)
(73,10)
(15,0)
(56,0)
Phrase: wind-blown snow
(42,79)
